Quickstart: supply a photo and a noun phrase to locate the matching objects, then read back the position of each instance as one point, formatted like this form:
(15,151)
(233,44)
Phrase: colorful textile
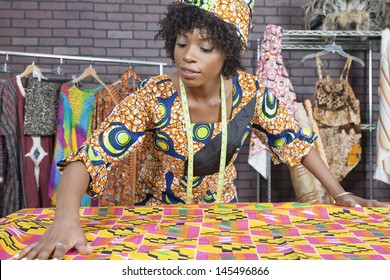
(236,12)
(245,231)
(122,179)
(75,110)
(382,171)
(153,117)
(273,74)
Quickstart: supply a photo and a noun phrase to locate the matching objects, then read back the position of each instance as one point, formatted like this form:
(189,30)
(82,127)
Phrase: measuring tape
(222,163)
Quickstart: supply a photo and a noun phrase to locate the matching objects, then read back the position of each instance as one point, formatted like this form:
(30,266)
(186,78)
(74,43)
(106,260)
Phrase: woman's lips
(188,73)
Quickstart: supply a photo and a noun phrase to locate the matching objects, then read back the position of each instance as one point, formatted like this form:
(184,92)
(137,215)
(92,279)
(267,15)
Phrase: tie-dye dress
(154,116)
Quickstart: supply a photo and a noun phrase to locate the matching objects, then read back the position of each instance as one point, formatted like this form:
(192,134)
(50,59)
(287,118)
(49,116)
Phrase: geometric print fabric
(242,231)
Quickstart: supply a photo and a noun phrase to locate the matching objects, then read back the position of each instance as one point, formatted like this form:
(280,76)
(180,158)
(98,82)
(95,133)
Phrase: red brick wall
(126,29)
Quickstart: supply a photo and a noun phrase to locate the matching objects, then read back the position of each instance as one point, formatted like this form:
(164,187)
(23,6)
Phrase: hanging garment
(382,172)
(306,186)
(273,74)
(36,151)
(122,178)
(12,184)
(75,110)
(41,107)
(25,156)
(337,113)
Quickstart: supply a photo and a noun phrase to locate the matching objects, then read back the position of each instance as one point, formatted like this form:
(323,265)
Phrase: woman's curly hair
(182,18)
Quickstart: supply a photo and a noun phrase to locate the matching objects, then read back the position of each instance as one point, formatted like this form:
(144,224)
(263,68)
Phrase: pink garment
(273,74)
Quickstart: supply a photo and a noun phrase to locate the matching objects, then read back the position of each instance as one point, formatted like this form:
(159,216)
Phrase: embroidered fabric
(41,107)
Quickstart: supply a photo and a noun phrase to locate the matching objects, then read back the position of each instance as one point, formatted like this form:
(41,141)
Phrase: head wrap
(236,12)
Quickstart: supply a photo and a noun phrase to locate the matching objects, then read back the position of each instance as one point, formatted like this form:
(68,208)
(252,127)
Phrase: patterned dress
(154,116)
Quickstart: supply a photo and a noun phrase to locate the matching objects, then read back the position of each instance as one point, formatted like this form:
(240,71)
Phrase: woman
(193,122)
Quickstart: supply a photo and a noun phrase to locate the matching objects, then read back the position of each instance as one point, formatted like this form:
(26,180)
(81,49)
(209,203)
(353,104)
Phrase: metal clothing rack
(85,58)
(349,40)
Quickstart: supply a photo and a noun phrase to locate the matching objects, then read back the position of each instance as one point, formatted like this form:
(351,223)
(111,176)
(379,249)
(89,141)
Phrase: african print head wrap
(236,12)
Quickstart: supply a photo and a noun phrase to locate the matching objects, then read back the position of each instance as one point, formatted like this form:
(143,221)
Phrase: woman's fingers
(82,247)
(22,254)
(60,251)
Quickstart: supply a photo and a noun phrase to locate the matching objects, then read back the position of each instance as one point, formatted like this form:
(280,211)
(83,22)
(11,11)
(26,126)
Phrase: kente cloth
(236,12)
(122,178)
(241,231)
(273,74)
(74,117)
(382,172)
(153,116)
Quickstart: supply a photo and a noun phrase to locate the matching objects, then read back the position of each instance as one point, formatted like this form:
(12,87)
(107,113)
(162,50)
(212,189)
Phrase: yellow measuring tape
(222,163)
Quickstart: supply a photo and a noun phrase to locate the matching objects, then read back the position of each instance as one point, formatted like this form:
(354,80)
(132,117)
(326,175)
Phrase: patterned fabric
(273,74)
(75,110)
(337,112)
(289,231)
(122,178)
(41,106)
(153,116)
(12,185)
(36,154)
(237,12)
(382,171)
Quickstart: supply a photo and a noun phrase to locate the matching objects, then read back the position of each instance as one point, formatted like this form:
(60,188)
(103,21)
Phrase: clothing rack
(349,40)
(85,58)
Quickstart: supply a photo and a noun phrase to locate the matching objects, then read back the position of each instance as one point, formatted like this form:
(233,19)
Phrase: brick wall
(126,29)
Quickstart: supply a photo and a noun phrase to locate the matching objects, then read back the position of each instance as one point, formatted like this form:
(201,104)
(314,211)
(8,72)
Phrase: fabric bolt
(273,74)
(36,153)
(236,12)
(237,231)
(122,178)
(337,113)
(382,172)
(153,116)
(74,116)
(40,118)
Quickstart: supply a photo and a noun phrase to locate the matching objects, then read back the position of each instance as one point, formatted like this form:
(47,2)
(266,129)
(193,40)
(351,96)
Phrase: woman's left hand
(351,200)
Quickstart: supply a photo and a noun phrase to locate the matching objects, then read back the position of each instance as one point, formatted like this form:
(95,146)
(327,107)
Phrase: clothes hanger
(32,68)
(90,71)
(131,74)
(333,48)
(59,70)
(5,67)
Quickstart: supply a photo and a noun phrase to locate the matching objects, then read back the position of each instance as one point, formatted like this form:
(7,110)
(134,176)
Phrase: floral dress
(154,117)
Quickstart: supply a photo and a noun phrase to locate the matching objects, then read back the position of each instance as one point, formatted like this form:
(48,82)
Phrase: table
(241,231)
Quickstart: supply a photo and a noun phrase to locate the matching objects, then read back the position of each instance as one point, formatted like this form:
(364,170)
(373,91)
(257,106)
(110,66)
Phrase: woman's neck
(205,102)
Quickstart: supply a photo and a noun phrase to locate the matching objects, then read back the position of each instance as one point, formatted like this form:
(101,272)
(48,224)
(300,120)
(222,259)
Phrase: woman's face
(197,59)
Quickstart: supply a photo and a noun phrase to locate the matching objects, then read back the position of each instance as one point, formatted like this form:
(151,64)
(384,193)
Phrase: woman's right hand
(61,236)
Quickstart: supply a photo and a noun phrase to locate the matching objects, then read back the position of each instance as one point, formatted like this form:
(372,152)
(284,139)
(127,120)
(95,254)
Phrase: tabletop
(241,231)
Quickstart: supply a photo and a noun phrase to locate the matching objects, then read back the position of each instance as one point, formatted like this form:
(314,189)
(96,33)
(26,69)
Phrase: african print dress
(154,116)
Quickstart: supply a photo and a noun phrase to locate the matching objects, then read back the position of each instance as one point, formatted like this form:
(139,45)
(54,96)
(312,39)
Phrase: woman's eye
(207,50)
(180,45)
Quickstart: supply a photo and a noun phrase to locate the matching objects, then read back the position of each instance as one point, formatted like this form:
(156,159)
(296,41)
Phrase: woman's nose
(190,55)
